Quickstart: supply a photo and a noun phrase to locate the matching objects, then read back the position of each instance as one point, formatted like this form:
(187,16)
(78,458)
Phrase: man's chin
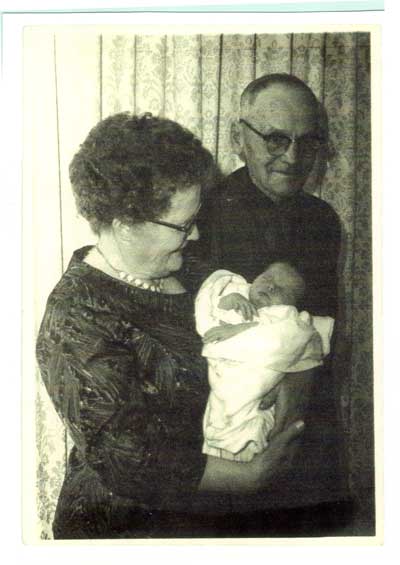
(286,186)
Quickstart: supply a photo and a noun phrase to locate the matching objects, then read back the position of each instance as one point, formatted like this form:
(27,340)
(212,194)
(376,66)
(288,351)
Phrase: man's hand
(291,398)
(235,477)
(278,455)
(220,333)
(239,303)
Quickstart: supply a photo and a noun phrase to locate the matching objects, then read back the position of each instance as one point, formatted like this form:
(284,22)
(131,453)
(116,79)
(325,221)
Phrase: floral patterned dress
(123,368)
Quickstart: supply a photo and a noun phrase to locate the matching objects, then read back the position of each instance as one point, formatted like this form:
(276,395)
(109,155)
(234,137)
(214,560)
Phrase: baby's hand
(219,333)
(239,303)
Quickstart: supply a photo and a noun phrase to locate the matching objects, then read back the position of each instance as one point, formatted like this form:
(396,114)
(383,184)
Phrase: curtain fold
(75,77)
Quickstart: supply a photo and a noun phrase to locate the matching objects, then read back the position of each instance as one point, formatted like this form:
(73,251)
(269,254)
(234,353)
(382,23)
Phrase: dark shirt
(244,231)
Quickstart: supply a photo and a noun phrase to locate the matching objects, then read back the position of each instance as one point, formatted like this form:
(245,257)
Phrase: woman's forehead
(184,203)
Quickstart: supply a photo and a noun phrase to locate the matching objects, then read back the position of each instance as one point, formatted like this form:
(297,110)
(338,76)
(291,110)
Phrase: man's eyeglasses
(278,143)
(185,228)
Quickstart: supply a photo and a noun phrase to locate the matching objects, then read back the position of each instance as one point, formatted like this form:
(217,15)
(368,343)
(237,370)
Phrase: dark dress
(123,368)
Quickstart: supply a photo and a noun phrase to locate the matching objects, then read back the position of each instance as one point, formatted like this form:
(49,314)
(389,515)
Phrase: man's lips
(285,173)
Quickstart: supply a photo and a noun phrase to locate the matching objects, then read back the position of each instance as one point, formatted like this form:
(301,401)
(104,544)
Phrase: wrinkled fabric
(244,368)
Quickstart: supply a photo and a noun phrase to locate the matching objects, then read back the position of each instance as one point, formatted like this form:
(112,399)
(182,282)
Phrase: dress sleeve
(102,393)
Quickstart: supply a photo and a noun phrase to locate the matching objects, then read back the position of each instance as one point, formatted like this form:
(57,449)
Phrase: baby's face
(273,287)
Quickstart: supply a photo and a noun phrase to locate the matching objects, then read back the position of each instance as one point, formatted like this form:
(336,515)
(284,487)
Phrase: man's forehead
(281,105)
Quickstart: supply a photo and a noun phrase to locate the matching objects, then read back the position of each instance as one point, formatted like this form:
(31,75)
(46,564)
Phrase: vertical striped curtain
(75,77)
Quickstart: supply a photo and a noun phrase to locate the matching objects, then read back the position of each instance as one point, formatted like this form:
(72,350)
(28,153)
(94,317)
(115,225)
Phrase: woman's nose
(194,234)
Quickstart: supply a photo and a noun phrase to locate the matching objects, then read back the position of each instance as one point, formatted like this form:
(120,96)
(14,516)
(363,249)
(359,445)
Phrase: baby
(253,335)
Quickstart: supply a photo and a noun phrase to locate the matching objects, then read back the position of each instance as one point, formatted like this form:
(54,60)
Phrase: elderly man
(260,214)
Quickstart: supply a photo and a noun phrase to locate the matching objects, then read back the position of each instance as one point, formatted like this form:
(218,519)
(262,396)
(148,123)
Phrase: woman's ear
(121,231)
(237,139)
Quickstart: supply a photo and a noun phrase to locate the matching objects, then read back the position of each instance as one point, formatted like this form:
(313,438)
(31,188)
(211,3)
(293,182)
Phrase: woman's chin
(174,262)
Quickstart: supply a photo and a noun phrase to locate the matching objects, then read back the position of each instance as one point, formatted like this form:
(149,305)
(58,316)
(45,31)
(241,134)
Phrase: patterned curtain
(75,77)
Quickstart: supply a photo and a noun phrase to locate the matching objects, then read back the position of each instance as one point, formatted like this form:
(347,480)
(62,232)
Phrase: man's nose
(292,152)
(194,234)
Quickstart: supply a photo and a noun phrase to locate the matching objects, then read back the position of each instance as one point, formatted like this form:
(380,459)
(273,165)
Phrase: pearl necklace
(155,285)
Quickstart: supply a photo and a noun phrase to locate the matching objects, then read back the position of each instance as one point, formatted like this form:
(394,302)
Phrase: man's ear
(237,138)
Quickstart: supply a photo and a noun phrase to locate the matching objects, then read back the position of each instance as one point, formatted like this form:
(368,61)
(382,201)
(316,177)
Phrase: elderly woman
(117,346)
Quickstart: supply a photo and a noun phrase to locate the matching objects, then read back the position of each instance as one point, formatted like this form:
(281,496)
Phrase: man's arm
(291,398)
(236,477)
(321,267)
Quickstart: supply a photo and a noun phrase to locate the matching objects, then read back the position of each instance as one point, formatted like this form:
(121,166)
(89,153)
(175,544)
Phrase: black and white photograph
(200,203)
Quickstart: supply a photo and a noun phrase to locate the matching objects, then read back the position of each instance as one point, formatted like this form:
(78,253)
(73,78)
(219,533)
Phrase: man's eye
(277,140)
(309,143)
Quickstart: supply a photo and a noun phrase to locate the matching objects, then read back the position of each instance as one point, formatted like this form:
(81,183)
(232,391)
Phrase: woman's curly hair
(129,167)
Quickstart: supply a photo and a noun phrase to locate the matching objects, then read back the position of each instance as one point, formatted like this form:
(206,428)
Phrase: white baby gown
(244,368)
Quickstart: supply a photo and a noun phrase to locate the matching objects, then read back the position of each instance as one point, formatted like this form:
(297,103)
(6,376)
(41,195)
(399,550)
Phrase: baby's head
(279,284)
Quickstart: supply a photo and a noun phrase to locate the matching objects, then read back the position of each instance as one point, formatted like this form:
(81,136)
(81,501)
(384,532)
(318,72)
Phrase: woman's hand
(231,476)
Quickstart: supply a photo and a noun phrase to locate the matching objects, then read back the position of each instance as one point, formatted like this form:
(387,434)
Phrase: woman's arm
(99,389)
(235,477)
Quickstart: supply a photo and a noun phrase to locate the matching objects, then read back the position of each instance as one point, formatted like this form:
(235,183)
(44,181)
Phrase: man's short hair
(256,86)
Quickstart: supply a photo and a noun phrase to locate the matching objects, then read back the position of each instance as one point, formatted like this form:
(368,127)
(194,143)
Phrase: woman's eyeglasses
(278,143)
(185,228)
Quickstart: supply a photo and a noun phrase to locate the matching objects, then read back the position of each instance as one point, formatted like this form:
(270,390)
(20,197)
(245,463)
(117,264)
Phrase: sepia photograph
(200,238)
